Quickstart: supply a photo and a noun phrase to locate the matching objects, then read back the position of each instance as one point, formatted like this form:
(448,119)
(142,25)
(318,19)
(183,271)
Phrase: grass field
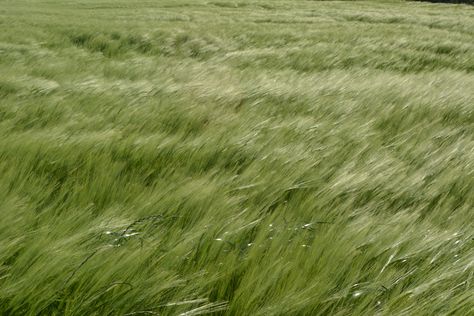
(267,157)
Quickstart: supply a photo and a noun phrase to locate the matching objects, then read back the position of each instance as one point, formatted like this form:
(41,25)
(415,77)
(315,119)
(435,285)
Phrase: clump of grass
(7,88)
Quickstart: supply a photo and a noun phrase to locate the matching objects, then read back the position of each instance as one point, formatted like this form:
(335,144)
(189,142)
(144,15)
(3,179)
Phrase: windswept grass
(236,158)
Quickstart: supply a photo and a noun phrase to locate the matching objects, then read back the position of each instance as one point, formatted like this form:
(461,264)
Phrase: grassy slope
(257,157)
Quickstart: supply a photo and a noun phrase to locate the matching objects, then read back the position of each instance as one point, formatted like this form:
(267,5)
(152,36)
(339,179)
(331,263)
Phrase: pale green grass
(236,157)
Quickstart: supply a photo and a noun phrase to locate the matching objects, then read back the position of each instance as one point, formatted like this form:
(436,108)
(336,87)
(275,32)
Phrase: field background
(236,157)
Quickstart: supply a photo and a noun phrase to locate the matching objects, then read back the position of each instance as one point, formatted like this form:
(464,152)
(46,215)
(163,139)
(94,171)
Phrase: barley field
(248,157)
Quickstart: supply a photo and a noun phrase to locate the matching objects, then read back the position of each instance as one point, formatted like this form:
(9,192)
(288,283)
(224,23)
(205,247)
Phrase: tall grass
(236,158)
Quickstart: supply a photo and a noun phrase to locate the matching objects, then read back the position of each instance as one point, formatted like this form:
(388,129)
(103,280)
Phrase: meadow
(248,157)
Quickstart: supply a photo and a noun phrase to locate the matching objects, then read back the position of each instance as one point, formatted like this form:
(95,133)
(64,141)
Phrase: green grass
(268,157)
